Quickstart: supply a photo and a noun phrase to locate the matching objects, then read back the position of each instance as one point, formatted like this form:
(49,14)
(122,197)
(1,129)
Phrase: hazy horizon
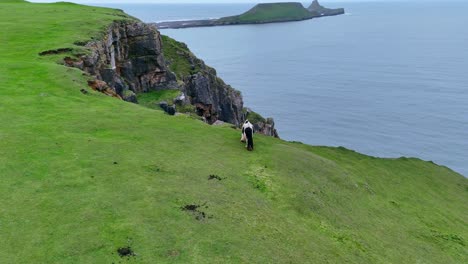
(211,1)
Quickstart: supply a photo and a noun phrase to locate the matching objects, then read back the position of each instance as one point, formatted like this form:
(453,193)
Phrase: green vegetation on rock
(254,117)
(272,12)
(83,175)
(151,99)
(181,60)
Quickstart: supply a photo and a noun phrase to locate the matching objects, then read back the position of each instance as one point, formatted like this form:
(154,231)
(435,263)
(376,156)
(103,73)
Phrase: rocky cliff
(212,98)
(133,58)
(318,9)
(128,59)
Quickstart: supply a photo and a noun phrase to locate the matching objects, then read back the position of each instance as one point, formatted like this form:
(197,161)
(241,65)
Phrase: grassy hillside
(85,175)
(271,12)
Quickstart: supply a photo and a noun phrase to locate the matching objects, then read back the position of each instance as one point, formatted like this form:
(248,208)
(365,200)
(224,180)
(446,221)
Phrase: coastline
(179,24)
(260,14)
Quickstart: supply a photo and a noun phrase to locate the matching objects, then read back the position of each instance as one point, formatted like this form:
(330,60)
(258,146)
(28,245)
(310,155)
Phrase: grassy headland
(261,14)
(84,175)
(271,12)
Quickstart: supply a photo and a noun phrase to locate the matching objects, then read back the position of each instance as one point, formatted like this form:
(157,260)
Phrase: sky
(195,1)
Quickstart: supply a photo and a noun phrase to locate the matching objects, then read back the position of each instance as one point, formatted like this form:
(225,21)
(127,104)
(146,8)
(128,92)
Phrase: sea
(387,79)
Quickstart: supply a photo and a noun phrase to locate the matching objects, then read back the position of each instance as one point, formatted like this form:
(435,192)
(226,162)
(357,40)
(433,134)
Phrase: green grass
(153,98)
(254,117)
(272,12)
(182,62)
(82,175)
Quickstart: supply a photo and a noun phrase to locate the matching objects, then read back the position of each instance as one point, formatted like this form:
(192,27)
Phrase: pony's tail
(249,135)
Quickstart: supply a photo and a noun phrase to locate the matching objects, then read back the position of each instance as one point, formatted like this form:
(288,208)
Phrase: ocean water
(387,79)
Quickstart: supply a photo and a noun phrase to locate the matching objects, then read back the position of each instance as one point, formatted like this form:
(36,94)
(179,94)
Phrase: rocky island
(261,14)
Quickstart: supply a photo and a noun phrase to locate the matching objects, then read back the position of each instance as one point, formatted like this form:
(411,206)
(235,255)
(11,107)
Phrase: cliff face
(129,59)
(261,125)
(213,99)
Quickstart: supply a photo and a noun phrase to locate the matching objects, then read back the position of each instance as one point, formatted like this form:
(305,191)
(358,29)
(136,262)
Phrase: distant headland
(261,14)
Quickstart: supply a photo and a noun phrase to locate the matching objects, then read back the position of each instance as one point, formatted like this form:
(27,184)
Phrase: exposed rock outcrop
(315,7)
(169,109)
(103,87)
(261,125)
(213,99)
(128,58)
(266,128)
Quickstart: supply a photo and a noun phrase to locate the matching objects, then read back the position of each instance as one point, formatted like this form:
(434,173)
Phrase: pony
(247,135)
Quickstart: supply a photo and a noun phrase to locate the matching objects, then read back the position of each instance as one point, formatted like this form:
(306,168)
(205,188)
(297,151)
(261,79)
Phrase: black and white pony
(247,135)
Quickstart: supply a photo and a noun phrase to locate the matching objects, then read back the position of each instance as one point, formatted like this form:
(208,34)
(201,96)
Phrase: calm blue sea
(387,79)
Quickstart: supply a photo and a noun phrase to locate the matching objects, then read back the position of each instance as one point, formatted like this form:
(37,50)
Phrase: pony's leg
(243,137)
